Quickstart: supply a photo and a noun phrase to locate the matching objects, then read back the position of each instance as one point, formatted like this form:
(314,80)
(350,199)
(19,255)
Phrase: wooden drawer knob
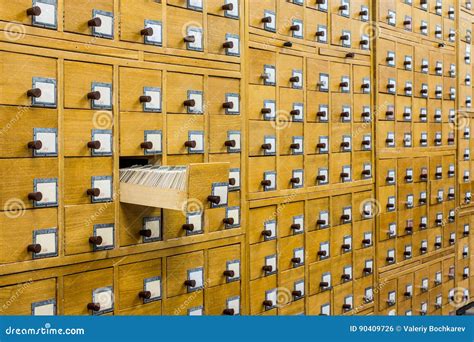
(35,196)
(190,144)
(343,8)
(266,182)
(287,44)
(96,22)
(231,181)
(228,105)
(94,145)
(34,248)
(389,113)
(346,246)
(407,294)
(228,7)
(230,143)
(295,226)
(408,229)
(268,303)
(294,79)
(390,86)
(367,270)
(93,306)
(389,59)
(320,222)
(93,192)
(144,294)
(345,114)
(320,2)
(294,28)
(190,283)
(344,175)
(345,217)
(266,111)
(350,55)
(296,260)
(322,253)
(366,241)
(189,103)
(295,112)
(228,45)
(93,95)
(147,145)
(424,27)
(228,220)
(148,31)
(229,273)
(188,227)
(294,180)
(407,253)
(346,277)
(35,145)
(189,39)
(363,12)
(296,293)
(343,84)
(267,233)
(437,244)
(35,92)
(295,146)
(95,240)
(266,146)
(323,284)
(345,144)
(321,145)
(347,306)
(319,33)
(228,312)
(406,22)
(34,11)
(146,233)
(320,114)
(145,99)
(389,179)
(214,199)
(345,37)
(389,259)
(267,268)
(267,20)
(423,225)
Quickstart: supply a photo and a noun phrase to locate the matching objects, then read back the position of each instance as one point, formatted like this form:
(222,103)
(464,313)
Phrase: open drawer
(194,187)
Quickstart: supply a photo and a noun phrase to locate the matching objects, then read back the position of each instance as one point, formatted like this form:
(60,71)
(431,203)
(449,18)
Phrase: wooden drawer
(260,220)
(262,169)
(225,134)
(341,27)
(291,172)
(87,86)
(84,224)
(35,229)
(38,298)
(387,253)
(223,265)
(185,23)
(262,292)
(316,21)
(291,252)
(31,126)
(317,73)
(262,100)
(341,134)
(136,85)
(185,90)
(363,231)
(183,271)
(388,295)
(137,130)
(83,174)
(318,213)
(77,15)
(220,31)
(190,304)
(341,209)
(261,9)
(318,245)
(41,73)
(216,7)
(320,277)
(291,219)
(225,91)
(317,170)
(292,287)
(89,133)
(89,293)
(223,300)
(363,292)
(290,71)
(289,14)
(341,239)
(318,142)
(183,128)
(340,167)
(263,63)
(263,259)
(24,178)
(18,12)
(320,304)
(343,299)
(140,284)
(139,224)
(137,16)
(342,269)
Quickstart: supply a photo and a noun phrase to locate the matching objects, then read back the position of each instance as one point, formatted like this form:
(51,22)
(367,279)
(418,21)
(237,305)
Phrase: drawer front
(37,298)
(191,304)
(184,128)
(34,227)
(182,88)
(138,130)
(185,23)
(136,16)
(89,134)
(320,277)
(31,126)
(291,172)
(223,265)
(262,69)
(85,223)
(263,259)
(257,11)
(291,253)
(139,224)
(89,293)
(83,174)
(140,284)
(225,91)
(87,86)
(262,169)
(24,178)
(223,300)
(292,288)
(225,134)
(135,84)
(260,220)
(221,31)
(77,15)
(320,304)
(262,292)
(41,74)
(291,219)
(183,271)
